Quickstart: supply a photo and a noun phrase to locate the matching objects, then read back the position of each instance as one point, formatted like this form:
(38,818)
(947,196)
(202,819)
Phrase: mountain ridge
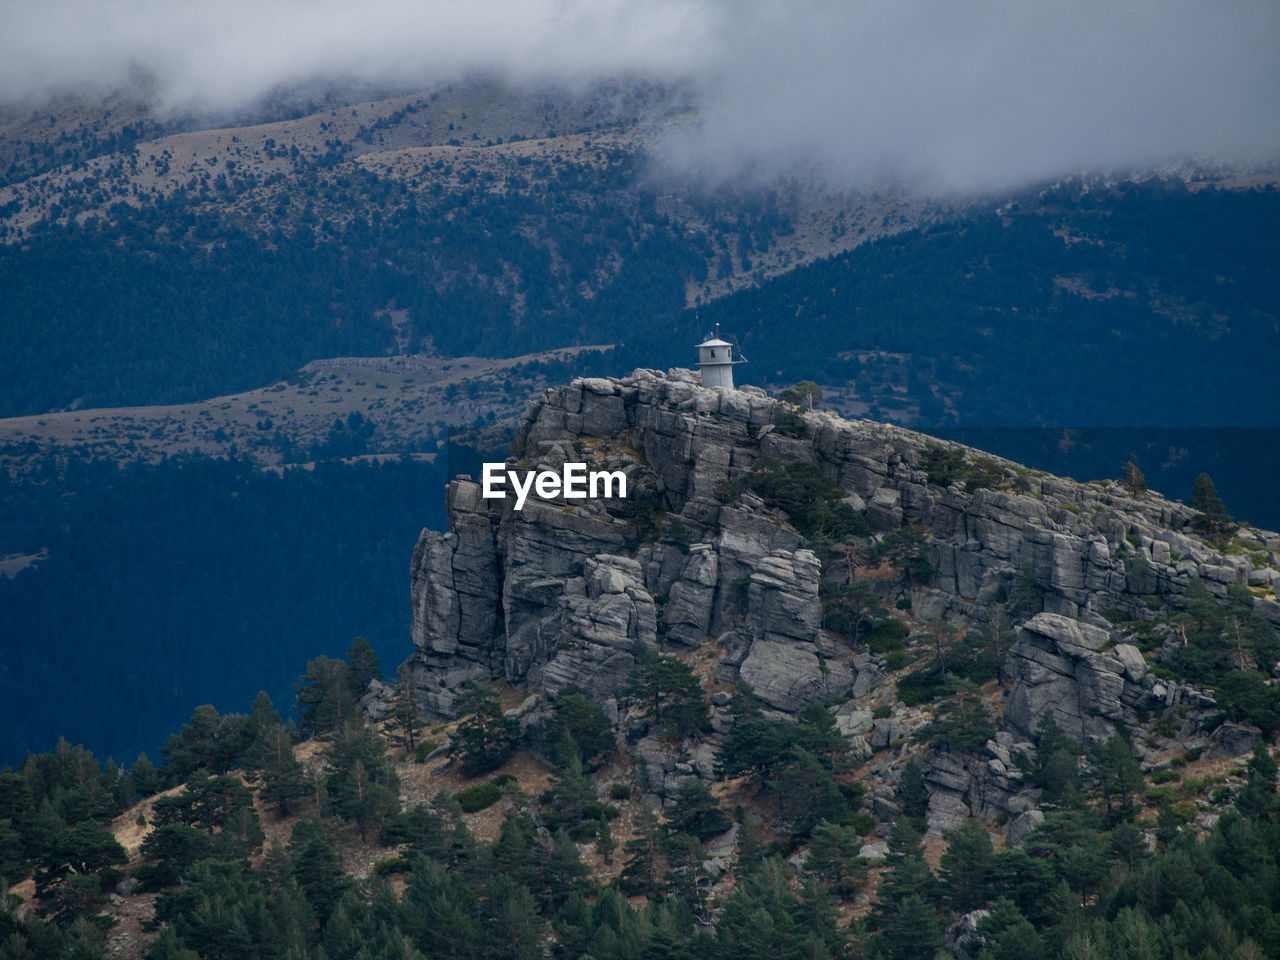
(704,558)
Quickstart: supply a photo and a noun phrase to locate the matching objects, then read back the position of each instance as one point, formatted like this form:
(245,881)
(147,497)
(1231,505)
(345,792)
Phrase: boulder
(947,810)
(1234,739)
(1057,667)
(874,851)
(1022,826)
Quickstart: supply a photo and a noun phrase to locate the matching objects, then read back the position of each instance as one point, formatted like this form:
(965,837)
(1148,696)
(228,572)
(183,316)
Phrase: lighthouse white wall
(716,366)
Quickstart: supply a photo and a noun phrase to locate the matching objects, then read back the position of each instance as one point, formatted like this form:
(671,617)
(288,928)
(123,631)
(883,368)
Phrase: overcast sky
(957,94)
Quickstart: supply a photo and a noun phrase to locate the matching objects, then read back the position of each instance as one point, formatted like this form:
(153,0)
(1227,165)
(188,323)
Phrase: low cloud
(954,95)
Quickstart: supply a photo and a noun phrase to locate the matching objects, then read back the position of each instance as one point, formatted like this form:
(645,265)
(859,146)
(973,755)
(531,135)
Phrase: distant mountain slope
(483,220)
(1136,304)
(193,580)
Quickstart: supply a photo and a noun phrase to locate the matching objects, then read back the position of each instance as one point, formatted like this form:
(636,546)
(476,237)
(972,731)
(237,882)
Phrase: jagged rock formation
(1059,667)
(575,592)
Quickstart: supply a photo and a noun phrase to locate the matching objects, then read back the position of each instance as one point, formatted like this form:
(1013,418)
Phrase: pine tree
(911,931)
(316,868)
(605,844)
(833,859)
(1117,775)
(1214,521)
(1056,770)
(1257,800)
(516,926)
(966,866)
(263,714)
(362,785)
(671,693)
(565,873)
(146,778)
(327,695)
(485,738)
(363,664)
(584,720)
(913,791)
(404,720)
(908,874)
(1008,934)
(271,757)
(208,741)
(698,813)
(571,800)
(640,872)
(1134,481)
(804,392)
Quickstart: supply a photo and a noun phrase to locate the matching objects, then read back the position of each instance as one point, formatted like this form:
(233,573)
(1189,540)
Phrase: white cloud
(962,94)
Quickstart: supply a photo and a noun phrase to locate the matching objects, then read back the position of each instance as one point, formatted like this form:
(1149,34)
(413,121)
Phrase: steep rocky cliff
(574,592)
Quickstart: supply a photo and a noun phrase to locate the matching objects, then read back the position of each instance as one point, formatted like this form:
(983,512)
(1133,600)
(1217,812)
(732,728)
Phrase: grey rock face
(574,592)
(1057,667)
(563,592)
(1022,826)
(874,851)
(1235,739)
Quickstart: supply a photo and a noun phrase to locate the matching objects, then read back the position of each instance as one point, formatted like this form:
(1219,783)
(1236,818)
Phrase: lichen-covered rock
(573,592)
(1058,668)
(1022,826)
(1235,739)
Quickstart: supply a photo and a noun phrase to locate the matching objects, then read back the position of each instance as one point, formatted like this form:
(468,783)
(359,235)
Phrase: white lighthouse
(715,360)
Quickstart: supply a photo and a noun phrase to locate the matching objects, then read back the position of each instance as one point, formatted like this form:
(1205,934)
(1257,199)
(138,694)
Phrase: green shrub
(1163,726)
(811,499)
(1165,776)
(943,465)
(390,865)
(922,686)
(887,635)
(475,799)
(620,791)
(882,711)
(424,750)
(789,422)
(897,659)
(1184,810)
(863,823)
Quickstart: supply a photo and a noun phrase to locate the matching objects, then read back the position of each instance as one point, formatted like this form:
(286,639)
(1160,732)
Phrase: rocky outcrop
(573,592)
(1071,671)
(565,592)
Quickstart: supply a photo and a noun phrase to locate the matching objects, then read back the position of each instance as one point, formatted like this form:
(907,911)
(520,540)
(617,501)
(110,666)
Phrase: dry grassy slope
(64,122)
(472,112)
(269,165)
(408,407)
(264,164)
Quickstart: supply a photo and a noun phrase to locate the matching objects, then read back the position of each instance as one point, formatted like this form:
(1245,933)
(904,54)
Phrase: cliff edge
(706,554)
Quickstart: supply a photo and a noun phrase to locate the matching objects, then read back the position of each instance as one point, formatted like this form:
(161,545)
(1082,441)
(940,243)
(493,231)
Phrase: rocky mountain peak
(706,553)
